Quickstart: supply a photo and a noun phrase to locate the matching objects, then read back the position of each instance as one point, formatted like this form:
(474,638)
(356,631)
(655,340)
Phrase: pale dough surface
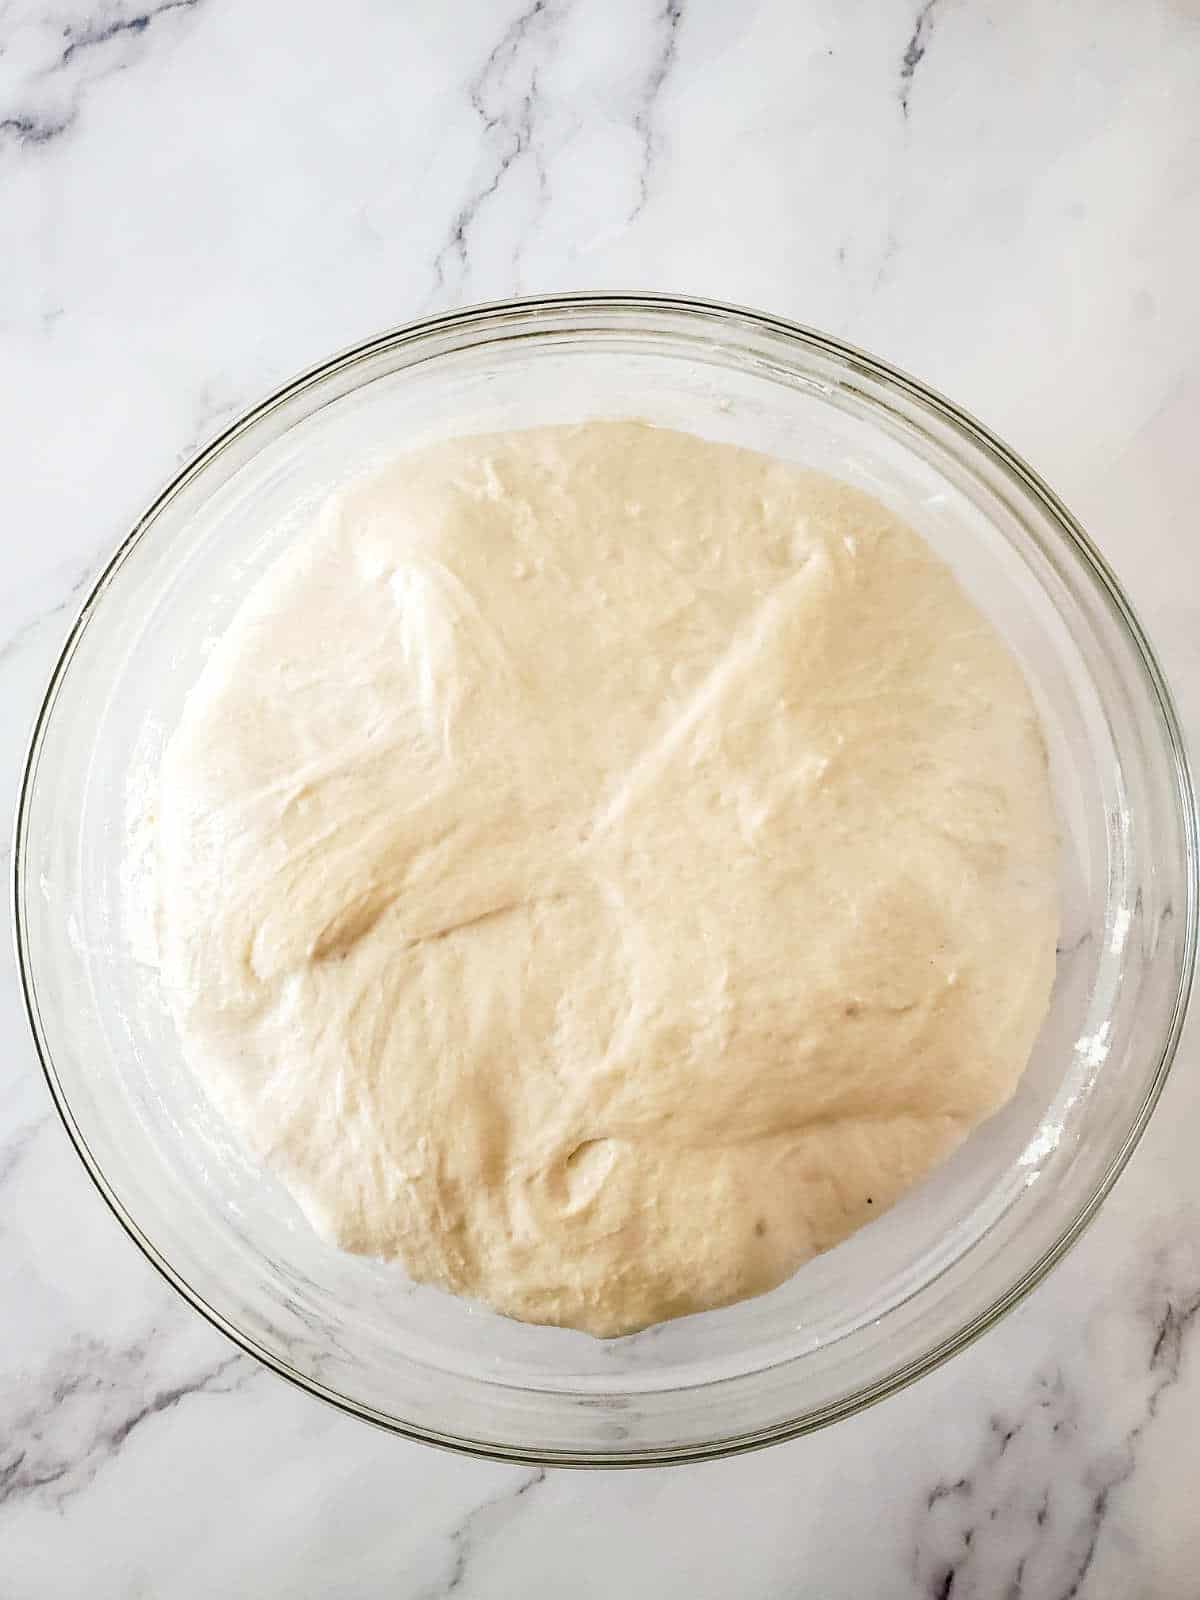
(602,868)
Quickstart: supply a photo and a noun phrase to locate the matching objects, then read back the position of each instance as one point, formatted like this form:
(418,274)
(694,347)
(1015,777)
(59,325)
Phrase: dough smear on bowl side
(600,868)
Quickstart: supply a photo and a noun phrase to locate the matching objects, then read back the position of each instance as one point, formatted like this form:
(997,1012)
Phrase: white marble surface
(199,198)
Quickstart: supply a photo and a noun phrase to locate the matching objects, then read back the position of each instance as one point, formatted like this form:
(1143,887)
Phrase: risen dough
(602,868)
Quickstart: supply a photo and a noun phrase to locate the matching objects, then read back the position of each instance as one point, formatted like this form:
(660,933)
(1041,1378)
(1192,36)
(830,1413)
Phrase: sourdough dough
(602,868)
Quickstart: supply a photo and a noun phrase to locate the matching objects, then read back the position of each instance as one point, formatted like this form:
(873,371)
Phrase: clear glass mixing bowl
(902,1294)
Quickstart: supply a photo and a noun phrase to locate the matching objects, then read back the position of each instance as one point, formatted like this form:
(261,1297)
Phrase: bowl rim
(483,315)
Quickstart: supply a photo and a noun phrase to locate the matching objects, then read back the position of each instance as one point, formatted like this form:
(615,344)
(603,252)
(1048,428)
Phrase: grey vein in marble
(669,19)
(29,629)
(91,34)
(481,1523)
(516,123)
(1027,1516)
(67,49)
(503,95)
(26,129)
(914,51)
(84,1410)
(17,1146)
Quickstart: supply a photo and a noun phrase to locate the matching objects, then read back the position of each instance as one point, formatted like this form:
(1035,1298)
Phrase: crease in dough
(600,868)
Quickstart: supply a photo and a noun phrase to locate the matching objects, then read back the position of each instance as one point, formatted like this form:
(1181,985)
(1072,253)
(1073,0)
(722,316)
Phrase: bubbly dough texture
(601,868)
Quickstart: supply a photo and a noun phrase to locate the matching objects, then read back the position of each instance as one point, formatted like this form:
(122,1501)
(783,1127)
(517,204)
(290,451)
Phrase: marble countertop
(199,199)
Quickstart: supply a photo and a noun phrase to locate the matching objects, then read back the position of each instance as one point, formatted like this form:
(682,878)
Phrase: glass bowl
(853,1325)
